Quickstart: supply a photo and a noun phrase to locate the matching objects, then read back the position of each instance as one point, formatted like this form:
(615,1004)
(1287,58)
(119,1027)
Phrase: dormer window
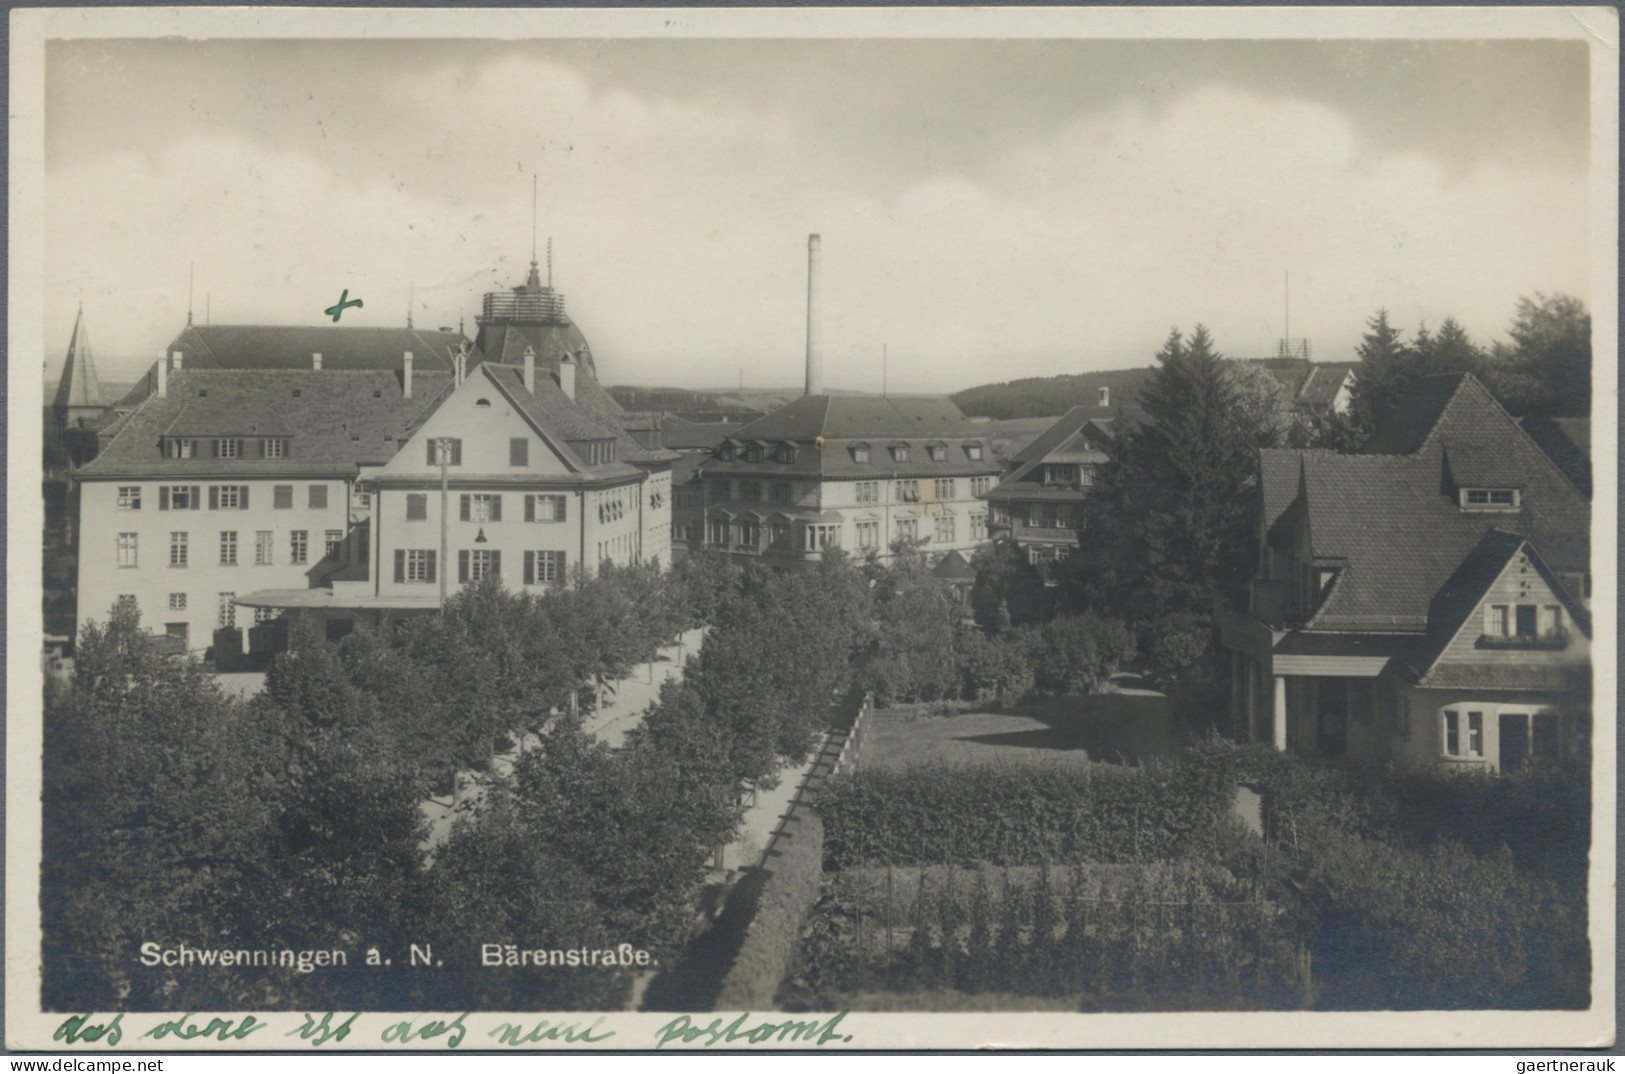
(753,453)
(229,449)
(1490,499)
(860,452)
(726,453)
(273,448)
(899,452)
(973,452)
(938,452)
(785,453)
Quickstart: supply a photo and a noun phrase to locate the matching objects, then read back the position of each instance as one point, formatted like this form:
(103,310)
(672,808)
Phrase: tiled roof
(1460,595)
(1567,442)
(337,421)
(1094,421)
(1321,383)
(953,568)
(825,429)
(847,417)
(550,410)
(1543,678)
(79,386)
(1413,419)
(1067,424)
(1392,524)
(681,434)
(267,346)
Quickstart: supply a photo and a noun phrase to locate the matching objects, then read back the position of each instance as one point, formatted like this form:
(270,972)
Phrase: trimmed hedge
(937,814)
(775,931)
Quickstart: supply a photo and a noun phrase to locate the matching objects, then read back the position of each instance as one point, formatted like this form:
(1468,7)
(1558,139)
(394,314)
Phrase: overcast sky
(989,210)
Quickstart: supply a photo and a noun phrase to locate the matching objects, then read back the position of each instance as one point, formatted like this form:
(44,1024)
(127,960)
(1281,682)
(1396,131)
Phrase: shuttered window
(282,496)
(544,567)
(414,564)
(519,451)
(417,506)
(318,496)
(456,451)
(546,508)
(478,563)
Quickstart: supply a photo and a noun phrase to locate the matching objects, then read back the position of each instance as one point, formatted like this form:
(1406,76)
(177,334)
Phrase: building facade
(226,482)
(1426,599)
(1039,502)
(853,472)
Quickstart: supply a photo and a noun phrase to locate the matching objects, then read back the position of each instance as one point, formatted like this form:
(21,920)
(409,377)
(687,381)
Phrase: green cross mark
(334,310)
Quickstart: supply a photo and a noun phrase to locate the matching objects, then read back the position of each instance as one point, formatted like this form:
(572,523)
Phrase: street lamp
(442,451)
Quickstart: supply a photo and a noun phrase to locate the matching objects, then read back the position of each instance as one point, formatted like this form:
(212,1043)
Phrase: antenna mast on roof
(1288,293)
(533,217)
(191,279)
(882,370)
(550,262)
(411,296)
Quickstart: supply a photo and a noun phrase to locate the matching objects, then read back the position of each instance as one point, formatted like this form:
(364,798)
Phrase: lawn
(1122,726)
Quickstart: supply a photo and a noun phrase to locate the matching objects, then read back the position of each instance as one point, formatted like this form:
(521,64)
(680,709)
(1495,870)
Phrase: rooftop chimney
(1105,397)
(175,359)
(316,360)
(406,374)
(163,378)
(530,370)
(815,332)
(567,375)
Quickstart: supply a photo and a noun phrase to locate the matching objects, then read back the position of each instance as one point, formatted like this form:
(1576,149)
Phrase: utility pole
(442,448)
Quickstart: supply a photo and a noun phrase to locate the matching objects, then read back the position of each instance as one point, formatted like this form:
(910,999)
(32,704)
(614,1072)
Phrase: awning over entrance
(1353,656)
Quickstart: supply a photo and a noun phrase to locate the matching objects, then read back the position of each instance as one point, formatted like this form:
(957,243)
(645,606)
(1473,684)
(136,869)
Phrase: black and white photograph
(811,530)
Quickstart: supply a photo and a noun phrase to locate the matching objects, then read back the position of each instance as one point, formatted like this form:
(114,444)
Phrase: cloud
(680,229)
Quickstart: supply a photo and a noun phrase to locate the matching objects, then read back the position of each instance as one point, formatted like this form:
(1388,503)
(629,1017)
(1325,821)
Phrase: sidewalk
(625,704)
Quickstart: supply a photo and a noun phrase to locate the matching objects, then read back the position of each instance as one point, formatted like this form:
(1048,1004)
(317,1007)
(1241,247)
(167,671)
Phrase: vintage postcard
(811,530)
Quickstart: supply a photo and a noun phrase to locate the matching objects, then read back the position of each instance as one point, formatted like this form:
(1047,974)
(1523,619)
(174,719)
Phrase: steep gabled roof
(1322,382)
(1417,414)
(1459,598)
(336,422)
(1567,442)
(79,386)
(1063,430)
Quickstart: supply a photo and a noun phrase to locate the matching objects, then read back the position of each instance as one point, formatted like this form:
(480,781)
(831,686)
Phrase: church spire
(79,386)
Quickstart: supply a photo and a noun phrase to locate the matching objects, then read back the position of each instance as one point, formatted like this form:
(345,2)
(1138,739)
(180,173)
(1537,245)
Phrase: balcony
(1550,641)
(1023,532)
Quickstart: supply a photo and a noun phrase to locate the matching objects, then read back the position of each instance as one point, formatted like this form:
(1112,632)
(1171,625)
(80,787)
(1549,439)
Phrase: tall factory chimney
(815,330)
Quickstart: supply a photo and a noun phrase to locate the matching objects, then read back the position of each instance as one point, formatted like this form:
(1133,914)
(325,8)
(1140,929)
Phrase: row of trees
(177,813)
(1545,369)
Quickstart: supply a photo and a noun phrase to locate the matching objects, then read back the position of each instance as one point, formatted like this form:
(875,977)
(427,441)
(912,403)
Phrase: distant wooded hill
(1036,397)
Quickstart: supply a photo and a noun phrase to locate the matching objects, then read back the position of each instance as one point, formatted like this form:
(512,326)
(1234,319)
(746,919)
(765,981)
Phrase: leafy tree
(1008,590)
(913,655)
(1547,369)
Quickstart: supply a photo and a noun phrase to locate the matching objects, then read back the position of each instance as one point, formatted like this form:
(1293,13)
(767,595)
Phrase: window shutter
(462,566)
(429,445)
(1489,620)
(519,452)
(530,510)
(163,497)
(245,496)
(215,444)
(197,497)
(463,510)
(457,451)
(496,563)
(562,556)
(433,556)
(496,508)
(558,508)
(260,448)
(282,495)
(400,564)
(530,568)
(214,496)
